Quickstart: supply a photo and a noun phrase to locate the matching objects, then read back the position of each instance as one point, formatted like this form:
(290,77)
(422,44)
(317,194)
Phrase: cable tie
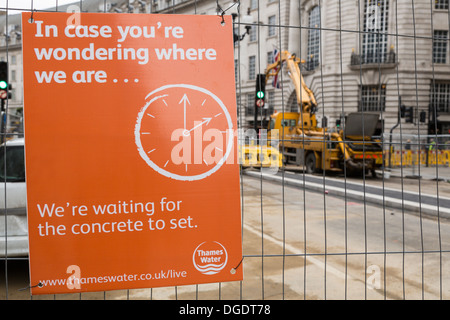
(40,285)
(31,20)
(233,270)
(221,12)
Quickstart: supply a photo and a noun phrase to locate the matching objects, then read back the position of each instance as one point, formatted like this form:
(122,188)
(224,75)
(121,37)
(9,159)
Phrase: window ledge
(368,66)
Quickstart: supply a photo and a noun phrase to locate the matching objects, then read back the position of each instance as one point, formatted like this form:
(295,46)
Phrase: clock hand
(184,100)
(205,121)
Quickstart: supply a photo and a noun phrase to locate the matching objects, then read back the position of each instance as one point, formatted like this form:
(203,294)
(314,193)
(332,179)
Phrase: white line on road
(359,195)
(295,250)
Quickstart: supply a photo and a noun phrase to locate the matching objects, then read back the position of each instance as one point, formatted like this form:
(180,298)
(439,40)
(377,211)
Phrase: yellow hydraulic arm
(305,99)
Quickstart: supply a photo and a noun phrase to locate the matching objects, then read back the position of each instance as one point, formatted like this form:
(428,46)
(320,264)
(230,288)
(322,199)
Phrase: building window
(440,97)
(270,57)
(375,39)
(373,98)
(250,110)
(270,102)
(236,70)
(440,46)
(272,23)
(313,39)
(252,68)
(441,4)
(253,4)
(253,33)
(236,30)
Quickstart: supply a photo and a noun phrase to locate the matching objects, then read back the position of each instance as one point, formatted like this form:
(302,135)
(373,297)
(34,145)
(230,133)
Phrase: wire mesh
(327,235)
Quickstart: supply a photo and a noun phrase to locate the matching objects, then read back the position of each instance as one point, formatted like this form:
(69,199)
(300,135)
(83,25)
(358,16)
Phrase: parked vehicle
(13,217)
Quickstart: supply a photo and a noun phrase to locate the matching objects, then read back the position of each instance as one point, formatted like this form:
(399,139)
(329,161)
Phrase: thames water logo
(210,257)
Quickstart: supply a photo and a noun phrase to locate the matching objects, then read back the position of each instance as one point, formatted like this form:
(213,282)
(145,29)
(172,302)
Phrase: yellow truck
(303,143)
(260,156)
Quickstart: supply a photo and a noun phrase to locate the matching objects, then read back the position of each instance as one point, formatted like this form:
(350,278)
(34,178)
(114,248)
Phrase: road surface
(300,243)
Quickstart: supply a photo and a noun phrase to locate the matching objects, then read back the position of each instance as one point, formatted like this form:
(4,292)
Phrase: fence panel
(380,232)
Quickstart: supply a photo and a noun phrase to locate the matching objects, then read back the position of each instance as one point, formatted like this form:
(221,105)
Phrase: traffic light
(260,92)
(409,114)
(338,123)
(423,116)
(402,111)
(3,75)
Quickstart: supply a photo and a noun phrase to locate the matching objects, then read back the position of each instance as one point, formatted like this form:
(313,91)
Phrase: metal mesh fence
(320,231)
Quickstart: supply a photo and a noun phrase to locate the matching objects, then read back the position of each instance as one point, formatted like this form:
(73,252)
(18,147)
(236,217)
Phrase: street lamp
(247,20)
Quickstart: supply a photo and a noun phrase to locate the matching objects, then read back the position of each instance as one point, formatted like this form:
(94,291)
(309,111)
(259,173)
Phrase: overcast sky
(26,4)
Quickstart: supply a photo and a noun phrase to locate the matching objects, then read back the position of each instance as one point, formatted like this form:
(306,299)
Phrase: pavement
(426,173)
(424,190)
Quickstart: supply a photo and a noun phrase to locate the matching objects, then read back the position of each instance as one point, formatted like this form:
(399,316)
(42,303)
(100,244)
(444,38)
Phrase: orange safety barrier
(409,158)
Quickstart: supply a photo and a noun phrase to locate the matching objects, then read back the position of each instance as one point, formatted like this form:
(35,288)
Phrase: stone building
(360,55)
(11,50)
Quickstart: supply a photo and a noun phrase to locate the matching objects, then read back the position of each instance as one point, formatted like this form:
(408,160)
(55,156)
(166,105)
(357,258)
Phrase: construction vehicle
(302,142)
(259,156)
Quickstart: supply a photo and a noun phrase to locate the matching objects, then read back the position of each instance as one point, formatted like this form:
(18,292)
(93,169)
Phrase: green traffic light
(260,95)
(3,84)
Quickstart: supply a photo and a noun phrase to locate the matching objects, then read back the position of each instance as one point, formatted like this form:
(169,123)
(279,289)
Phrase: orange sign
(131,151)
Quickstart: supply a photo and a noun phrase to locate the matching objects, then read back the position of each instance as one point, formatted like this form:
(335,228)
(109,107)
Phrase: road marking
(397,203)
(295,250)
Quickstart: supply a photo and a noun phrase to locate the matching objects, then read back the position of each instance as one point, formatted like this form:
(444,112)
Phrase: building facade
(359,55)
(375,56)
(11,51)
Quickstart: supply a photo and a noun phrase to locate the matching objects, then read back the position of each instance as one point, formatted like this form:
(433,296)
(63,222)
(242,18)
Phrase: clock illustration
(184,132)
